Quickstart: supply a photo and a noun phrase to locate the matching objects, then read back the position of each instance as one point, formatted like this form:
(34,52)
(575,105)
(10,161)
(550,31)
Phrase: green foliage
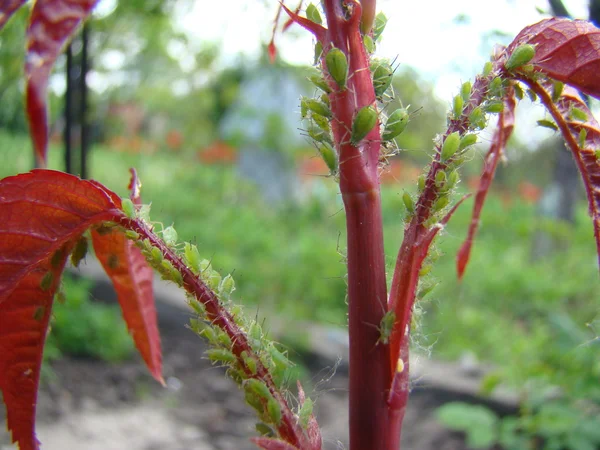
(81,327)
(479,423)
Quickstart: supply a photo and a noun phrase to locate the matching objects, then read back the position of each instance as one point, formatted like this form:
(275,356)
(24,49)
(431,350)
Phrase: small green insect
(382,76)
(196,305)
(557,90)
(518,91)
(386,326)
(467,140)
(364,121)
(321,122)
(409,203)
(487,68)
(80,251)
(220,355)
(532,95)
(330,157)
(274,411)
(465,91)
(320,135)
(258,387)
(264,430)
(47,280)
(440,204)
(227,286)
(450,146)
(337,66)
(318,52)
(249,362)
(192,257)
(578,114)
(453,179)
(312,14)
(457,106)
(318,107)
(369,43)
(477,118)
(426,290)
(520,56)
(169,235)
(320,82)
(38,314)
(582,138)
(305,412)
(495,106)
(496,87)
(425,268)
(547,124)
(156,255)
(128,208)
(440,178)
(130,234)
(223,338)
(395,124)
(144,213)
(380,23)
(421,183)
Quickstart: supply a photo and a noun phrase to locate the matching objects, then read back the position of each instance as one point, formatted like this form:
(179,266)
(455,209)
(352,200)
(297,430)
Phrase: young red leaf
(272,444)
(24,317)
(7,9)
(566,50)
(52,23)
(506,122)
(41,211)
(132,278)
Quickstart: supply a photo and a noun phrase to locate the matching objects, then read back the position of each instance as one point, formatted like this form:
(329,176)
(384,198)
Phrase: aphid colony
(317,111)
(248,367)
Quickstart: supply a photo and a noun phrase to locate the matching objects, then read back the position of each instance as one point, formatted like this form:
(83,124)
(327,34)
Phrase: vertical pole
(68,110)
(83,101)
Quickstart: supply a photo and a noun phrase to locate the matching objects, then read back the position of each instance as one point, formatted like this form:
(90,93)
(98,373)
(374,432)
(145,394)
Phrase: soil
(97,406)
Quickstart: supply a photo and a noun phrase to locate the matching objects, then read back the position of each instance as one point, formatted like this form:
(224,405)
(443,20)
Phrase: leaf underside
(7,9)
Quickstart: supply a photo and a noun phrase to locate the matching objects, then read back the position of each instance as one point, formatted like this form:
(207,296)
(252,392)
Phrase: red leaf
(41,211)
(506,122)
(44,212)
(272,444)
(7,9)
(24,317)
(566,50)
(132,278)
(52,23)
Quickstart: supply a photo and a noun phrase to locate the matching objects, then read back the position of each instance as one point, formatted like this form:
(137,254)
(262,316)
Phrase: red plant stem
(370,375)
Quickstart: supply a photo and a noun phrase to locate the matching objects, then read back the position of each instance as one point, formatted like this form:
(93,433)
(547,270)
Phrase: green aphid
(249,362)
(547,124)
(279,359)
(255,331)
(395,124)
(457,106)
(329,156)
(80,251)
(453,179)
(496,88)
(440,204)
(303,107)
(192,257)
(582,138)
(409,203)
(204,266)
(386,326)
(223,338)
(318,52)
(46,282)
(425,269)
(197,306)
(495,106)
(318,107)
(38,314)
(236,375)
(426,290)
(227,286)
(518,91)
(312,14)
(380,23)
(259,388)
(208,332)
(144,213)
(321,122)
(363,123)
(532,95)
(440,178)
(320,82)
(369,43)
(465,91)
(213,280)
(450,146)
(382,76)
(253,400)
(477,118)
(578,114)
(520,56)
(320,135)
(467,140)
(557,90)
(421,183)
(157,255)
(274,411)
(305,412)
(325,99)
(169,235)
(130,234)
(264,430)
(337,66)
(128,208)
(220,355)
(487,68)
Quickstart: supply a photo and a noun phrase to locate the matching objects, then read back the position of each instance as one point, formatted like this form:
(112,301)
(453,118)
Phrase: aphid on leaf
(38,314)
(421,182)
(253,400)
(547,124)
(169,235)
(305,412)
(196,305)
(496,88)
(520,56)
(453,179)
(312,14)
(128,208)
(578,114)
(47,280)
(213,280)
(582,138)
(220,355)
(457,106)
(337,66)
(395,124)
(425,269)
(318,107)
(386,326)
(274,411)
(192,257)
(80,251)
(450,146)
(303,107)
(364,121)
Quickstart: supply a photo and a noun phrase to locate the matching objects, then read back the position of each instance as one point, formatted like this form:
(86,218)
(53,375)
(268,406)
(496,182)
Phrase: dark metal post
(68,135)
(83,101)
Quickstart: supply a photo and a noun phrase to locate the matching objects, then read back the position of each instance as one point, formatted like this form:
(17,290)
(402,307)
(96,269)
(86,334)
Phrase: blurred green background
(222,156)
